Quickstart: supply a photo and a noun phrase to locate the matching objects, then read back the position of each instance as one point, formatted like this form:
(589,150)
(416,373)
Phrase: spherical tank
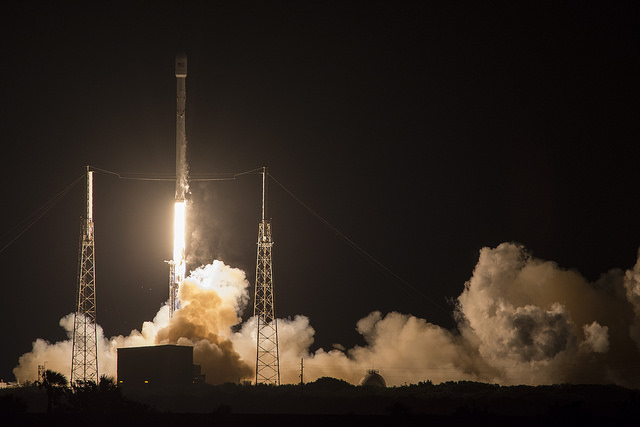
(373,379)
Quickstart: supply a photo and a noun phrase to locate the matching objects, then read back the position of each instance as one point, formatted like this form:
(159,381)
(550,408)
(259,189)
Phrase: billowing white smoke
(521,320)
(537,323)
(212,298)
(632,288)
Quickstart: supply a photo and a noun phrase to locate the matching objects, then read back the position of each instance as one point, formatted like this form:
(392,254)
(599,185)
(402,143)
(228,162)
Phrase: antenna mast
(84,362)
(267,360)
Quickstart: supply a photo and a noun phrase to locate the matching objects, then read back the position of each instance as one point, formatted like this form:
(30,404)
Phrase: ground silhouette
(328,401)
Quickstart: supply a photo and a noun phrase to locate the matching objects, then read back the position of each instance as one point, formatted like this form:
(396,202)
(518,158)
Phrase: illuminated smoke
(56,357)
(538,323)
(632,292)
(596,337)
(212,298)
(520,320)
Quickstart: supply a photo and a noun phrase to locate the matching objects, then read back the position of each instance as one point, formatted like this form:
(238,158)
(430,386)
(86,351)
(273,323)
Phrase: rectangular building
(155,366)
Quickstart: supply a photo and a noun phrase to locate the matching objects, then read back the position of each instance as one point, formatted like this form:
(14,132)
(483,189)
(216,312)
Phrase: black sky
(423,131)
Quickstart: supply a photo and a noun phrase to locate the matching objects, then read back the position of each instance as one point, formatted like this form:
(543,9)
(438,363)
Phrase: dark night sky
(423,131)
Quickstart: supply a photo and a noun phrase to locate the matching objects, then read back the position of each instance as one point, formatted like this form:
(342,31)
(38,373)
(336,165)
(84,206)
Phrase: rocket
(178,265)
(182,186)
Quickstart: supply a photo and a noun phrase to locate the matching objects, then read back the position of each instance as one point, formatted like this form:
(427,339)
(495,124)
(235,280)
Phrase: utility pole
(301,374)
(84,362)
(267,360)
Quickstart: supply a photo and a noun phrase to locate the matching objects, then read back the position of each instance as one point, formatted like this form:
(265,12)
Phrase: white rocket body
(182,186)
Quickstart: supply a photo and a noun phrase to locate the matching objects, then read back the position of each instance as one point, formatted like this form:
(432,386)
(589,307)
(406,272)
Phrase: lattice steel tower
(84,364)
(267,360)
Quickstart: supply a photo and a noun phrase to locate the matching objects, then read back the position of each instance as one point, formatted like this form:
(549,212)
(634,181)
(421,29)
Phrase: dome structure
(373,379)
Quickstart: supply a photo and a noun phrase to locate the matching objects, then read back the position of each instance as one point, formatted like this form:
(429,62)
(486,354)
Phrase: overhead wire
(223,177)
(232,176)
(172,177)
(136,177)
(39,213)
(366,255)
(29,221)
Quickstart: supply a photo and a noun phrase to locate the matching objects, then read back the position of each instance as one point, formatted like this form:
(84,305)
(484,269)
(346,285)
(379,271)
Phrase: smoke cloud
(211,300)
(520,320)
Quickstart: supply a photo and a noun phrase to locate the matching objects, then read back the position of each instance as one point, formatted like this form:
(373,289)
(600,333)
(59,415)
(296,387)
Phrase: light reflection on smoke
(521,320)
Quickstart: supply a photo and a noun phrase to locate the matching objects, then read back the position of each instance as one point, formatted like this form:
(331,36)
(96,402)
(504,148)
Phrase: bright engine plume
(179,263)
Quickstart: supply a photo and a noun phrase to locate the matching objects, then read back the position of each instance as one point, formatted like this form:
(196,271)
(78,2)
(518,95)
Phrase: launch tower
(178,266)
(84,363)
(267,361)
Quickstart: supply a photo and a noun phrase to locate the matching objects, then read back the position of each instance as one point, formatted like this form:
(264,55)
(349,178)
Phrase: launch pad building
(157,366)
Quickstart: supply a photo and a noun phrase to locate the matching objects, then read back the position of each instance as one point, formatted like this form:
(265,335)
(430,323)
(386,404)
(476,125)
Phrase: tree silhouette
(107,384)
(56,385)
(102,398)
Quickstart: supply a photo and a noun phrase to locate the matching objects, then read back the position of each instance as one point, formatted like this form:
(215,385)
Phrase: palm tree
(56,384)
(107,384)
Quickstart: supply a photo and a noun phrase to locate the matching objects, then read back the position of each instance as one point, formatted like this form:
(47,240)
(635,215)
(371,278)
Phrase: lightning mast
(84,363)
(178,265)
(267,361)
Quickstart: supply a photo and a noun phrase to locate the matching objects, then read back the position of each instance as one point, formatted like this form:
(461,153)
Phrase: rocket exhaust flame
(179,238)
(178,264)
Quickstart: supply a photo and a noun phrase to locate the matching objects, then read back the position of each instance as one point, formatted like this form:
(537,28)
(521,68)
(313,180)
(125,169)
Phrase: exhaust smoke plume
(520,320)
(212,298)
